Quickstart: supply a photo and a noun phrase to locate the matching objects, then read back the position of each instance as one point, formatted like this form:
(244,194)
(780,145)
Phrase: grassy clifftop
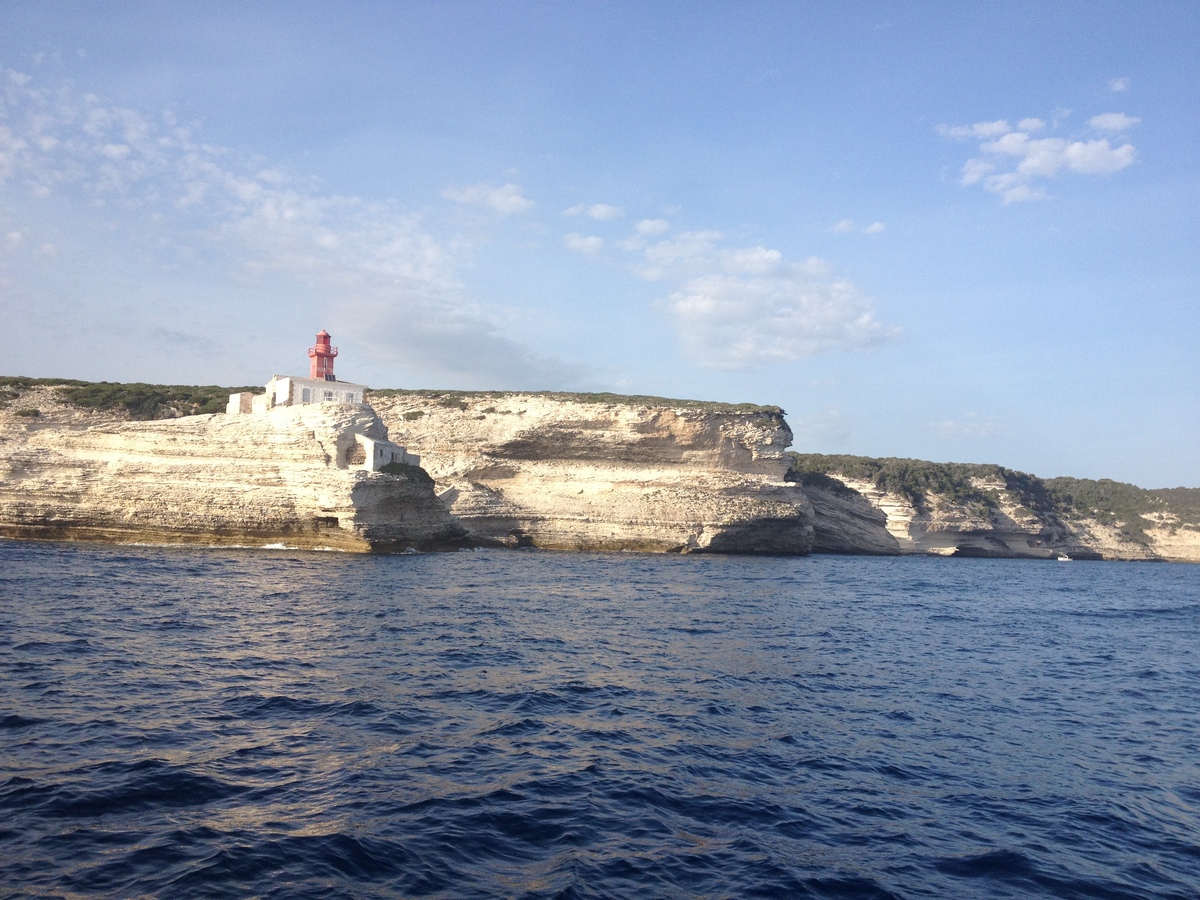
(138,401)
(460,398)
(1127,507)
(167,401)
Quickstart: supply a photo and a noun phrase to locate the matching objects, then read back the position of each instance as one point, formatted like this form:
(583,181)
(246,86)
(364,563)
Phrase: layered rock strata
(844,521)
(946,528)
(285,477)
(559,472)
(1004,528)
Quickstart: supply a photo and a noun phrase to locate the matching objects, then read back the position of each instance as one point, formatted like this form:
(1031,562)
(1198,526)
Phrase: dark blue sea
(206,723)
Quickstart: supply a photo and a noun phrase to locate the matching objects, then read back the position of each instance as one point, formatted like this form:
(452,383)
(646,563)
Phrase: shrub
(823,482)
(1107,502)
(603,397)
(153,401)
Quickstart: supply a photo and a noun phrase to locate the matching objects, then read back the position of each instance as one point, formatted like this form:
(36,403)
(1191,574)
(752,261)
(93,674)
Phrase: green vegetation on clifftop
(139,401)
(1126,507)
(459,399)
(165,401)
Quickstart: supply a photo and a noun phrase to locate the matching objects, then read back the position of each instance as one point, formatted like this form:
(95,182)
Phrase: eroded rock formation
(844,521)
(557,471)
(563,472)
(284,477)
(853,515)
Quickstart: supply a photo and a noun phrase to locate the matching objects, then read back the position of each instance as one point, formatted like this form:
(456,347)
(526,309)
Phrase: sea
(270,723)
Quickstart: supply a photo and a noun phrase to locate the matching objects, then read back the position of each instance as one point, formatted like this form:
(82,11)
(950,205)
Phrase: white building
(290,390)
(354,449)
(373,454)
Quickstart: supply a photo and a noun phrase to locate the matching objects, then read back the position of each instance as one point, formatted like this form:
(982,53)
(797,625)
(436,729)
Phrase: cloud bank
(746,307)
(368,269)
(253,244)
(1016,165)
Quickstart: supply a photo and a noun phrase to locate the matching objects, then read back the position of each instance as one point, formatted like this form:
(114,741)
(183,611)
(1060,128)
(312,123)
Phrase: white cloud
(651,226)
(846,226)
(583,243)
(1016,165)
(976,169)
(742,321)
(603,212)
(1118,85)
(505,200)
(686,250)
(744,307)
(368,269)
(978,130)
(751,260)
(1113,121)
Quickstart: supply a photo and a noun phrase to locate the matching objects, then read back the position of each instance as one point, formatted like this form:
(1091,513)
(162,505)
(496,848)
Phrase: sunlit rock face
(946,528)
(285,477)
(844,521)
(617,474)
(943,527)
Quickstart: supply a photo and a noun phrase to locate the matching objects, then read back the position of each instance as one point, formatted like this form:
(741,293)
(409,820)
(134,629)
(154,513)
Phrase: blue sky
(949,231)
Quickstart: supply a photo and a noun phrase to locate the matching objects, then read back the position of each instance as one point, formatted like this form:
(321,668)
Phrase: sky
(947,231)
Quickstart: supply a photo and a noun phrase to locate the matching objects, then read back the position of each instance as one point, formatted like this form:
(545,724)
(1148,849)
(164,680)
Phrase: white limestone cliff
(284,477)
(946,527)
(572,472)
(844,521)
(560,471)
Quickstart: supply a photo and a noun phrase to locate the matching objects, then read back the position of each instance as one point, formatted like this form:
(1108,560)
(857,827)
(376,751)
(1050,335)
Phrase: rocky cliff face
(563,472)
(948,528)
(282,477)
(989,518)
(844,521)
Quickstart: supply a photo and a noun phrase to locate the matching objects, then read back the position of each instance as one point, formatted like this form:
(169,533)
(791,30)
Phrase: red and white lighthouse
(322,358)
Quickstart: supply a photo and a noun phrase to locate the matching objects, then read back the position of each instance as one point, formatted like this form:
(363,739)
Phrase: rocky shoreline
(516,470)
(989,511)
(277,479)
(506,469)
(564,472)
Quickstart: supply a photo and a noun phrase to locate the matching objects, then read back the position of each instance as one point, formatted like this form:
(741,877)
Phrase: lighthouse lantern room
(321,358)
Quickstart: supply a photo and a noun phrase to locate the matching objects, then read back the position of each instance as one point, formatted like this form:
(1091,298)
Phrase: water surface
(192,723)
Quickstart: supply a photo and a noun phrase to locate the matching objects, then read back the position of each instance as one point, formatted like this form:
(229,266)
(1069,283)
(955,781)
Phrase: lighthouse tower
(291,390)
(321,367)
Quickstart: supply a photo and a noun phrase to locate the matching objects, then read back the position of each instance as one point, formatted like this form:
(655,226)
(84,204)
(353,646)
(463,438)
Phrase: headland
(424,470)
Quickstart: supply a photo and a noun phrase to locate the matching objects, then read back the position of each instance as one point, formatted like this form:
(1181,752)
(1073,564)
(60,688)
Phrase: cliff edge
(868,505)
(606,472)
(286,477)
